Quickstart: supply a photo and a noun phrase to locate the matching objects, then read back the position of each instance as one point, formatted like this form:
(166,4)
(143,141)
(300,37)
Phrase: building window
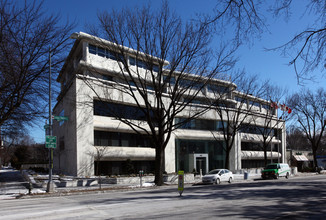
(265,106)
(111,109)
(169,80)
(148,87)
(201,124)
(107,77)
(120,139)
(277,133)
(123,167)
(251,146)
(252,129)
(240,99)
(221,125)
(92,49)
(191,84)
(247,164)
(217,88)
(254,103)
(132,61)
(100,51)
(61,143)
(142,64)
(195,101)
(155,68)
(214,149)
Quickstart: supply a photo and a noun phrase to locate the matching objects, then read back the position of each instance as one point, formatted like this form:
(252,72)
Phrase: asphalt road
(296,198)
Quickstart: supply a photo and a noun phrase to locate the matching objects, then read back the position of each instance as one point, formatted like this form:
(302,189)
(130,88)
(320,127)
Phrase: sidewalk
(12,185)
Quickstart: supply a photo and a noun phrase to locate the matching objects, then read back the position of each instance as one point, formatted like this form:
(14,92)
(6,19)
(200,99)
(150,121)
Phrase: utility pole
(50,182)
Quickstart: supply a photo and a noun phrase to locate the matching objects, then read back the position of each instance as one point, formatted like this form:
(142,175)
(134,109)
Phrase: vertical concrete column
(283,144)
(235,154)
(170,160)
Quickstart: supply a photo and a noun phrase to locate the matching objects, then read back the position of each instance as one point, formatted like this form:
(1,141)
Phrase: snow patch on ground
(15,194)
(143,185)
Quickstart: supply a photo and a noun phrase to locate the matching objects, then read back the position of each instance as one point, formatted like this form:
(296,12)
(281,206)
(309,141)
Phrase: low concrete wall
(27,166)
(250,171)
(76,182)
(188,178)
(170,178)
(28,178)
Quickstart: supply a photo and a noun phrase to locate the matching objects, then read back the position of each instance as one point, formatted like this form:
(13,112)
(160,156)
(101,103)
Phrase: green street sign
(50,141)
(47,126)
(60,118)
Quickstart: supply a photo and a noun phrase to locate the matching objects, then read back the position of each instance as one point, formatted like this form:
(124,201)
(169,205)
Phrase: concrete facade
(77,137)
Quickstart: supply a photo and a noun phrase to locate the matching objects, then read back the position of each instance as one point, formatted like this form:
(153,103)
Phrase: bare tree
(310,112)
(308,45)
(234,116)
(11,138)
(20,148)
(26,37)
(296,139)
(159,89)
(243,17)
(247,19)
(98,155)
(269,124)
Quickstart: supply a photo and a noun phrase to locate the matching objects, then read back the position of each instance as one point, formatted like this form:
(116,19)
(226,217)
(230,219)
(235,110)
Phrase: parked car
(276,170)
(217,176)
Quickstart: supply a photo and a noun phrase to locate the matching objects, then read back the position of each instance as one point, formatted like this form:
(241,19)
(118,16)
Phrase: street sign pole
(50,183)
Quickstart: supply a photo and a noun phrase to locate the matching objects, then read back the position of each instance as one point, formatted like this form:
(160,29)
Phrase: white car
(217,176)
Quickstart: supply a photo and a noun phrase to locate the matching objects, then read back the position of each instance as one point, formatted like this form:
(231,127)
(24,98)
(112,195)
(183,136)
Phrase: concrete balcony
(259,155)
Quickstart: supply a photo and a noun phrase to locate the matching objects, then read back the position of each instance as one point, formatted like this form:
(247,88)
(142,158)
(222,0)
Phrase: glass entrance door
(201,164)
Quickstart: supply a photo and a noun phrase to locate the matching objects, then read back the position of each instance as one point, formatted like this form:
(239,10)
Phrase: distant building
(302,159)
(191,147)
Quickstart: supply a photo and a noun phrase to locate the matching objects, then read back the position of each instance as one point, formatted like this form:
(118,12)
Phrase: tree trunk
(160,149)
(265,155)
(314,152)
(227,158)
(159,165)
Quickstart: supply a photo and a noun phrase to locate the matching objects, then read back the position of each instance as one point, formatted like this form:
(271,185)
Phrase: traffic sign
(50,141)
(60,118)
(180,181)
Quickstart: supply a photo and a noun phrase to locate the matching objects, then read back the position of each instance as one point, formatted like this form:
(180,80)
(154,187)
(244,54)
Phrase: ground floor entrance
(195,155)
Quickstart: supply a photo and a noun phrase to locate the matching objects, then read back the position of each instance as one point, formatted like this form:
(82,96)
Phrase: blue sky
(253,58)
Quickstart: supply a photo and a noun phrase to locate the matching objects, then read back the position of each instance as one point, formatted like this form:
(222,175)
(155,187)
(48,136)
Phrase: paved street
(296,198)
